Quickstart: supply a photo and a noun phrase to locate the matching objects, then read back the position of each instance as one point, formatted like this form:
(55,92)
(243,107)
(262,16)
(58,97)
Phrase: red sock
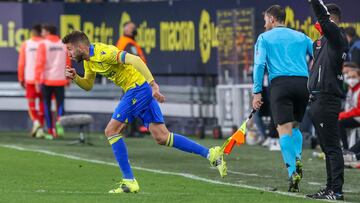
(50,131)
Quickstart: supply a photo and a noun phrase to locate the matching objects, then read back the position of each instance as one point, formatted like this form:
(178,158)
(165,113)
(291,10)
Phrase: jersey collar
(91,50)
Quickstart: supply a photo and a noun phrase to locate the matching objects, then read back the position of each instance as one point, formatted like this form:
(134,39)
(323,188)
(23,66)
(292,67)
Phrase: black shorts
(289,98)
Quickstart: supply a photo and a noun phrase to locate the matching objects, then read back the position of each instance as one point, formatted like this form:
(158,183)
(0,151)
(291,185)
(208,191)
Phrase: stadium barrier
(233,105)
(182,101)
(186,107)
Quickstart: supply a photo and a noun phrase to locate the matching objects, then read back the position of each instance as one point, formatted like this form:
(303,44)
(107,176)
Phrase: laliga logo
(205,36)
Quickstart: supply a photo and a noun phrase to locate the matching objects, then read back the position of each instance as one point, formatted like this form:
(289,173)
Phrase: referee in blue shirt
(283,52)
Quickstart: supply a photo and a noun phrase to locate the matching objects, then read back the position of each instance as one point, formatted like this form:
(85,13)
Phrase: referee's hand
(257,101)
(156,92)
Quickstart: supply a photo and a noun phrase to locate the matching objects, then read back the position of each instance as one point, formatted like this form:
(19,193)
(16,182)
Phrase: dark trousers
(59,93)
(346,124)
(324,112)
(356,150)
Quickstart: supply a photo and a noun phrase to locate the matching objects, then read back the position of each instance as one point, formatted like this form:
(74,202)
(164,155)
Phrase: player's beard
(268,27)
(79,56)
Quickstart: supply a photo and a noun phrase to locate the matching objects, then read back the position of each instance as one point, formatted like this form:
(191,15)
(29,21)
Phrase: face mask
(352,82)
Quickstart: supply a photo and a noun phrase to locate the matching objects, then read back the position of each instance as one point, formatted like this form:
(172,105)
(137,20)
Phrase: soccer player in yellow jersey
(140,100)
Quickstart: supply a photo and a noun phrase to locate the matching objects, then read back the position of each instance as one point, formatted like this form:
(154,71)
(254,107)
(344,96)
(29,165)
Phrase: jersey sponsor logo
(103,52)
(340,77)
(55,49)
(32,49)
(344,56)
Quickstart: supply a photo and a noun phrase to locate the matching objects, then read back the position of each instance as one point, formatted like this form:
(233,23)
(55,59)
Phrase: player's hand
(156,92)
(70,73)
(257,101)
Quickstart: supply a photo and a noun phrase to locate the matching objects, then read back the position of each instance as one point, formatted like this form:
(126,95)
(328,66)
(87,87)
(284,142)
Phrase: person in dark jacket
(354,44)
(325,86)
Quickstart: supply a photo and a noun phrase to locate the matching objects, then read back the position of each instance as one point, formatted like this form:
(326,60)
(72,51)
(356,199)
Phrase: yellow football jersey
(104,61)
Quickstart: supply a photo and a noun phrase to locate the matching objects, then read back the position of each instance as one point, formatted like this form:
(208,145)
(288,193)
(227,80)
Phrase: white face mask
(352,82)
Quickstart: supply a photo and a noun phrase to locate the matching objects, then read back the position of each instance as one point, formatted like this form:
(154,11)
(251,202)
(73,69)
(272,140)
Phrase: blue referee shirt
(283,51)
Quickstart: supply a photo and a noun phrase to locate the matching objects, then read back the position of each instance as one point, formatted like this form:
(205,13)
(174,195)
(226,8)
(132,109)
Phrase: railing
(182,101)
(234,104)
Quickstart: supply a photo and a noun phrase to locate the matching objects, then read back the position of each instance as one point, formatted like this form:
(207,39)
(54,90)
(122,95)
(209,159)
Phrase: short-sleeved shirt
(104,60)
(283,51)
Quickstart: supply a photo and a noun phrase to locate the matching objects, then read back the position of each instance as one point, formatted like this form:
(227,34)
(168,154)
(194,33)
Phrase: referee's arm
(259,64)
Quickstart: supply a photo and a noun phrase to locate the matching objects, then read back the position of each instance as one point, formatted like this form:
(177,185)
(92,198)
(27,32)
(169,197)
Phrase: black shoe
(294,182)
(318,193)
(330,195)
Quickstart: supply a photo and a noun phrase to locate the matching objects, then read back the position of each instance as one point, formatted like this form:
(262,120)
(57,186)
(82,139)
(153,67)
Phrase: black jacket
(329,54)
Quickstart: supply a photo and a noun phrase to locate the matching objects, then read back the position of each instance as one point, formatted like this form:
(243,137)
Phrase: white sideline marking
(314,183)
(247,174)
(186,175)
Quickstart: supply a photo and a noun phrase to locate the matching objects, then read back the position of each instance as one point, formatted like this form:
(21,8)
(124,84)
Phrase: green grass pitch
(51,171)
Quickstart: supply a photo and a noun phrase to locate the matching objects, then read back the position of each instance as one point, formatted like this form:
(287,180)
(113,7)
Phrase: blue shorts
(138,102)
